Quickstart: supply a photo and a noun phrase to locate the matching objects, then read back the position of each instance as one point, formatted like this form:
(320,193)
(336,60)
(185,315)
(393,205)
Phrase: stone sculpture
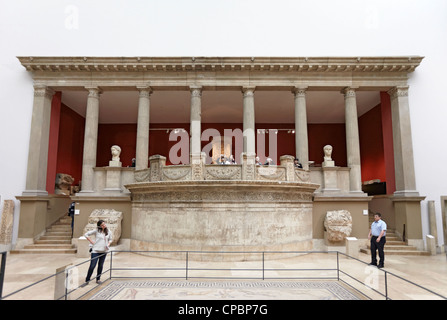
(111,217)
(63,183)
(338,225)
(116,152)
(328,162)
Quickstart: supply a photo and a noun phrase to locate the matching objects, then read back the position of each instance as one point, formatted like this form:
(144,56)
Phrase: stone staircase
(56,240)
(395,246)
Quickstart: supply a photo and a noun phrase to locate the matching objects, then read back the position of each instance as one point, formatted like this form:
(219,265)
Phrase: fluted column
(142,149)
(196,120)
(36,175)
(301,140)
(90,139)
(402,142)
(352,140)
(249,121)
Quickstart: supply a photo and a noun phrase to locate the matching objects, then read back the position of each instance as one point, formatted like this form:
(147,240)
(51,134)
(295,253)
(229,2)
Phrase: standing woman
(103,239)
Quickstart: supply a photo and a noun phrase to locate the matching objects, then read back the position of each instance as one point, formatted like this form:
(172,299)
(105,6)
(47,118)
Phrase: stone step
(44,251)
(59,228)
(55,238)
(49,246)
(52,241)
(58,233)
(394,242)
(400,252)
(396,247)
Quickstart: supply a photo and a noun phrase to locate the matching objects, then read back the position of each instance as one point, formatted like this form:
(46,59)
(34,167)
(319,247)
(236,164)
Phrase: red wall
(124,135)
(71,143)
(375,132)
(371,145)
(320,135)
(53,142)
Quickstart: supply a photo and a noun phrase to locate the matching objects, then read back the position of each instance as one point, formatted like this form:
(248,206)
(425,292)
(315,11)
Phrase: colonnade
(38,149)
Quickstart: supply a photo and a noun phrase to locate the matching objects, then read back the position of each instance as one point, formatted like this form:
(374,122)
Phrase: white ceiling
(221,106)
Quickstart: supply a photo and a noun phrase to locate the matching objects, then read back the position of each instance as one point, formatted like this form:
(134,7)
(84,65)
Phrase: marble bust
(328,162)
(116,151)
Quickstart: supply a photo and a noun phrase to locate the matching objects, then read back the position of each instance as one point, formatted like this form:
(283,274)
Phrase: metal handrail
(187,268)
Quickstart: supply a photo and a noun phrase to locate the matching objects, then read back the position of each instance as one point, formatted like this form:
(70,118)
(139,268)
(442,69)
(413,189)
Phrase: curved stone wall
(222,216)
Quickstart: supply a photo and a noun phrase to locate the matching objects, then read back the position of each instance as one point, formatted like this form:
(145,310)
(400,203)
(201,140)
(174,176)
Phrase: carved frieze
(275,173)
(225,172)
(302,175)
(142,175)
(174,173)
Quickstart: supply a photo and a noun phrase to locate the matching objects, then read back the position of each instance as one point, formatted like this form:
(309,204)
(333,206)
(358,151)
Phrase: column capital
(145,91)
(43,91)
(196,91)
(399,91)
(299,91)
(349,92)
(94,92)
(248,90)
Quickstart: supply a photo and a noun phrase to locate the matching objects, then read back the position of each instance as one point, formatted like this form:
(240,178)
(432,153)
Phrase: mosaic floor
(228,290)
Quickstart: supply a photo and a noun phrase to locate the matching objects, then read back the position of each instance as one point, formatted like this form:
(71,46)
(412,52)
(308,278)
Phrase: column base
(406,193)
(357,193)
(35,193)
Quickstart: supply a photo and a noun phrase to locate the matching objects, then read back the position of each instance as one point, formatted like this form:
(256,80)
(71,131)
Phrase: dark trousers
(377,246)
(96,258)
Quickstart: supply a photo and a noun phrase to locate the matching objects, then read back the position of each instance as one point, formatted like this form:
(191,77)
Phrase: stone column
(90,139)
(142,151)
(36,176)
(432,219)
(352,141)
(196,120)
(402,142)
(249,121)
(301,140)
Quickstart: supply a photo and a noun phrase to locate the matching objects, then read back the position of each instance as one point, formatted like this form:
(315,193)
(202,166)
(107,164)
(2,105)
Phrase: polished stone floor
(310,276)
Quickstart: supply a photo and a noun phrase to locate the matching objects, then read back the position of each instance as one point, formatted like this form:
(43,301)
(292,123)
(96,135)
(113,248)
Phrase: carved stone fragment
(111,217)
(338,225)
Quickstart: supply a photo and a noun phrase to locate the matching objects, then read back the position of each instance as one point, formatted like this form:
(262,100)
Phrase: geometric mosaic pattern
(228,290)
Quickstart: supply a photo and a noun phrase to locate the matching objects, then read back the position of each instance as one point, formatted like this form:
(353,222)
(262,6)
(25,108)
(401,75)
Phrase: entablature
(221,73)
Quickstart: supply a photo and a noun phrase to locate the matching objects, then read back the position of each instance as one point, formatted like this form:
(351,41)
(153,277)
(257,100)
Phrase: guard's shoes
(98,281)
(373,264)
(380,266)
(83,285)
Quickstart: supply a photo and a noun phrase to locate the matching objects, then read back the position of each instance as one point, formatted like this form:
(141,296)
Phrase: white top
(101,240)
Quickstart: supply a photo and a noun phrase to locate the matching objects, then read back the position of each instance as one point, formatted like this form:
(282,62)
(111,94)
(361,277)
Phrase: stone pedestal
(248,166)
(352,247)
(287,162)
(82,248)
(113,179)
(433,225)
(330,180)
(114,163)
(64,281)
(431,244)
(328,163)
(6,224)
(156,163)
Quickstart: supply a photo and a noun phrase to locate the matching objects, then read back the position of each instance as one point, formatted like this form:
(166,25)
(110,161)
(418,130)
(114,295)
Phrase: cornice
(400,64)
